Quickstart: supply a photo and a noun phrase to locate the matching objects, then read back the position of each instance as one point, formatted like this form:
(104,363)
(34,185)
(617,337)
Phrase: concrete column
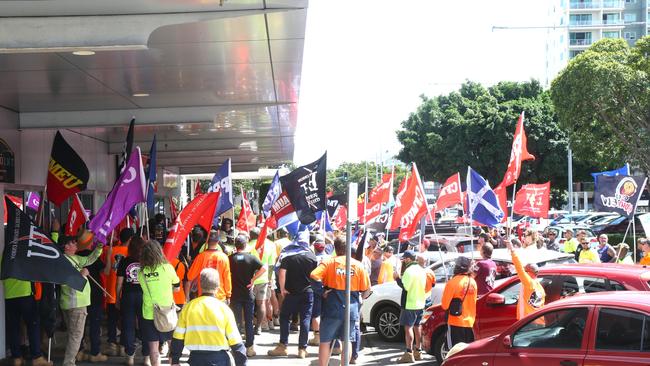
(3,339)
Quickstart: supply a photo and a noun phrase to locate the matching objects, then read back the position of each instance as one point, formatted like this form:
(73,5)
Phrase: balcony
(613,4)
(585,5)
(613,22)
(595,23)
(597,4)
(580,42)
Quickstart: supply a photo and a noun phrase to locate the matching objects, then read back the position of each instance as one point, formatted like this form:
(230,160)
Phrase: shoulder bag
(165,318)
(456,304)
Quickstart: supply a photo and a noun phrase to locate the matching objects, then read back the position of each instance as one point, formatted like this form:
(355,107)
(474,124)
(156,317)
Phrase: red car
(592,329)
(496,310)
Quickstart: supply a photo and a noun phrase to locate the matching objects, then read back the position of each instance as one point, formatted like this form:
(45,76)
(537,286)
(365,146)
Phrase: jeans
(131,311)
(248,306)
(24,308)
(75,320)
(296,304)
(112,318)
(94,320)
(203,358)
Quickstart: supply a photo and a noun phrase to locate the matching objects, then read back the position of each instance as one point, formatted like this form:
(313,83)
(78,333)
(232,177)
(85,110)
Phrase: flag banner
(502,196)
(199,211)
(282,211)
(76,217)
(450,193)
(173,211)
(222,183)
(518,154)
(30,255)
(67,172)
(127,148)
(379,223)
(414,206)
(197,188)
(619,193)
(261,239)
(33,201)
(361,245)
(305,187)
(533,200)
(482,203)
(246,220)
(624,170)
(340,220)
(334,202)
(127,191)
(396,218)
(381,193)
(151,175)
(274,192)
(373,209)
(322,222)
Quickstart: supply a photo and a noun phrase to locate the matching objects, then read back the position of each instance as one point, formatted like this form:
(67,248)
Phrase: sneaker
(302,353)
(270,325)
(353,361)
(276,321)
(97,358)
(407,357)
(257,331)
(164,349)
(82,356)
(129,361)
(19,361)
(113,349)
(40,361)
(265,327)
(250,351)
(336,351)
(146,361)
(279,350)
(315,341)
(417,355)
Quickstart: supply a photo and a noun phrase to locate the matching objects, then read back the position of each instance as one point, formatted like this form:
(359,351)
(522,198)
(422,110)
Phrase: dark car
(619,226)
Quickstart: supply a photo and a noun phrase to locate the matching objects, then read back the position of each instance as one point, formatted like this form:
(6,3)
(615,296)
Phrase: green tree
(602,99)
(338,179)
(475,126)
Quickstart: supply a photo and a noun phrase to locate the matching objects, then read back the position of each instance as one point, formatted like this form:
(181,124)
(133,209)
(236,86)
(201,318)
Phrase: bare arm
(257,275)
(282,277)
(118,290)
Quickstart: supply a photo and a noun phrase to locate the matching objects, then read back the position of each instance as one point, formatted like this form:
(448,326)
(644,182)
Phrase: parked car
(593,329)
(619,226)
(569,218)
(560,229)
(595,216)
(381,309)
(496,310)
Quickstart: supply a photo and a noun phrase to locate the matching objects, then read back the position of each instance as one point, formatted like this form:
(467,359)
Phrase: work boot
(315,341)
(41,361)
(417,355)
(130,360)
(18,361)
(407,357)
(82,356)
(250,351)
(353,361)
(97,358)
(294,327)
(257,331)
(265,327)
(302,353)
(279,350)
(146,361)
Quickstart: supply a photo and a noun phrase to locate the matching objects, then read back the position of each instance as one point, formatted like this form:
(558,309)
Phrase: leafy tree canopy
(338,179)
(602,99)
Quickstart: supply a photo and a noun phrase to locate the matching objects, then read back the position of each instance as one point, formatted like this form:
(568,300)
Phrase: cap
(462,265)
(126,234)
(409,254)
(319,239)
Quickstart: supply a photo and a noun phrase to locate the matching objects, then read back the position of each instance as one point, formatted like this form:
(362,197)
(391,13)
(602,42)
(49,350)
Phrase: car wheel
(439,346)
(387,324)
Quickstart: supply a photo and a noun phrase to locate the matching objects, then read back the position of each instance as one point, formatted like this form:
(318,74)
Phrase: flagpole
(365,198)
(471,221)
(512,209)
(390,192)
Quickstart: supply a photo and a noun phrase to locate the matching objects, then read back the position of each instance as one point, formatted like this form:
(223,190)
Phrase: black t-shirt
(129,268)
(298,267)
(242,268)
(95,269)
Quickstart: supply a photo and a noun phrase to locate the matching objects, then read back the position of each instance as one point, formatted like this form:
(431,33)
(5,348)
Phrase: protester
(212,257)
(129,294)
(571,244)
(226,227)
(158,280)
(181,272)
(261,287)
(207,328)
(114,254)
(645,249)
(413,283)
(332,274)
(197,241)
(531,294)
(462,289)
(606,252)
(244,270)
(376,262)
(587,255)
(317,288)
(386,270)
(622,254)
(73,303)
(295,285)
(580,238)
(530,240)
(95,310)
(552,243)
(486,270)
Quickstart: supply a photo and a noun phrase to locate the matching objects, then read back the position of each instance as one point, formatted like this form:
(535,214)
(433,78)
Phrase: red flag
(76,216)
(372,210)
(199,211)
(414,206)
(381,193)
(533,200)
(518,154)
(246,220)
(173,211)
(259,245)
(15,200)
(197,188)
(397,211)
(340,218)
(450,193)
(502,196)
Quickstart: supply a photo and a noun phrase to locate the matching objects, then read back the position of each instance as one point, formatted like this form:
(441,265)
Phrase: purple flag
(127,191)
(33,201)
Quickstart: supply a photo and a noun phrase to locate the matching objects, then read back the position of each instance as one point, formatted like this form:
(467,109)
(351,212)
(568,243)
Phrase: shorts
(459,334)
(317,287)
(332,328)
(410,318)
(151,334)
(261,292)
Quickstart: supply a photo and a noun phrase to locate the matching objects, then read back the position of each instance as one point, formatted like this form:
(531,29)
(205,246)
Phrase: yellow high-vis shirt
(207,324)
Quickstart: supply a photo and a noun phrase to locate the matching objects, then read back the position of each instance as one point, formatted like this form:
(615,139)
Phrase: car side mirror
(495,299)
(507,342)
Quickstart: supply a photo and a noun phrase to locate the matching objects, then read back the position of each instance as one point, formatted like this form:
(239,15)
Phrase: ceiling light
(247,132)
(83,53)
(140,94)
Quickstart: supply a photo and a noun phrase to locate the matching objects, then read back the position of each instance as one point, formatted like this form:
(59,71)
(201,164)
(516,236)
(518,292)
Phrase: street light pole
(570,173)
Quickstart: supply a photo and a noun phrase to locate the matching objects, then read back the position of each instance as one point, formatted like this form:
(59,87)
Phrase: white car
(382,308)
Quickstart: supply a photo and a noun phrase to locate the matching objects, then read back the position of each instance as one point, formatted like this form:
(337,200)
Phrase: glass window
(615,286)
(629,35)
(580,19)
(592,284)
(511,293)
(614,34)
(629,17)
(622,330)
(562,329)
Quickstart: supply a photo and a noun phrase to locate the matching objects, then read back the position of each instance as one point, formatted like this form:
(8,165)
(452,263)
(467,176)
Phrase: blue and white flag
(624,170)
(482,202)
(221,182)
(274,192)
(151,174)
(322,222)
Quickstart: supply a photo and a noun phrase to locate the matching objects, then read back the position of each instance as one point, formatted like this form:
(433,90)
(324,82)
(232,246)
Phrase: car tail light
(425,316)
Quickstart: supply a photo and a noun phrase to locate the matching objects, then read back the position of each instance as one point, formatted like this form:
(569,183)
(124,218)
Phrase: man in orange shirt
(181,271)
(212,257)
(331,273)
(461,287)
(532,295)
(645,247)
(114,254)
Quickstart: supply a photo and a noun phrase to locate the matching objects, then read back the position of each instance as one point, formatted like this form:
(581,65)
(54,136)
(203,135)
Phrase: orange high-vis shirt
(331,273)
(462,287)
(645,260)
(532,295)
(212,258)
(385,273)
(111,279)
(431,281)
(181,270)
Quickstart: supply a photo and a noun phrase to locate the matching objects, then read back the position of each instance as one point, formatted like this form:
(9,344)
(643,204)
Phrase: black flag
(30,255)
(619,193)
(305,187)
(128,146)
(67,173)
(334,203)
